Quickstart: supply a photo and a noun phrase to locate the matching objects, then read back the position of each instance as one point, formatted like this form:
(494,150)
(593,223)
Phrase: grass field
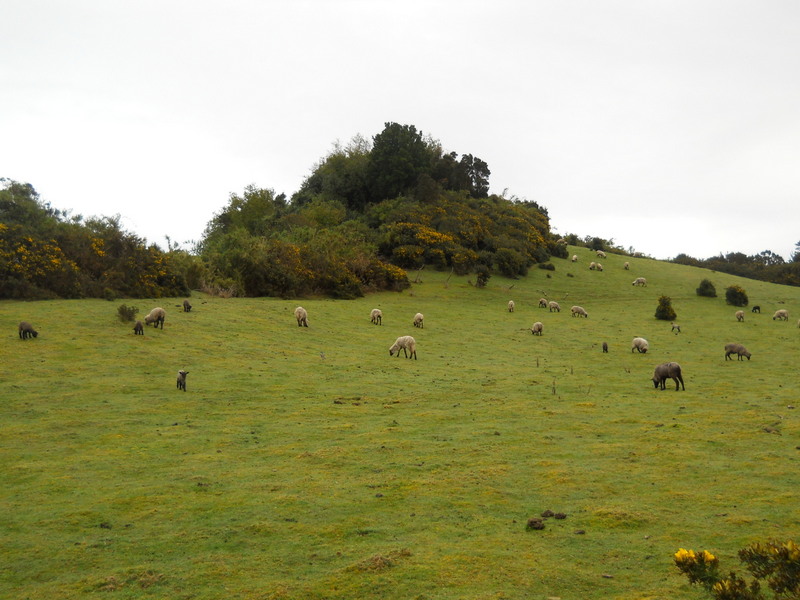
(308,464)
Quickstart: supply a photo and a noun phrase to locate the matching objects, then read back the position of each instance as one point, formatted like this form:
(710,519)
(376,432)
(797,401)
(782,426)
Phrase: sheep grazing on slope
(640,281)
(376,316)
(668,370)
(156,317)
(626,266)
(579,311)
(554,306)
(511,306)
(640,344)
(599,267)
(737,349)
(756,309)
(26,330)
(592,266)
(542,302)
(676,328)
(781,315)
(138,329)
(574,258)
(536,328)
(739,315)
(601,254)
(301,315)
(186,306)
(182,380)
(605,347)
(419,321)
(407,343)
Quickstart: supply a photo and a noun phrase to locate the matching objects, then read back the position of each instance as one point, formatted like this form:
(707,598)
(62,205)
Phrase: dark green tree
(399,156)
(736,296)
(664,311)
(706,289)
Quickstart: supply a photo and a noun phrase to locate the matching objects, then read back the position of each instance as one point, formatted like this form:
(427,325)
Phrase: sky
(668,127)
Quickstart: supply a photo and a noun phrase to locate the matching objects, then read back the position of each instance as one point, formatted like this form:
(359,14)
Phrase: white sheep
(592,266)
(301,314)
(739,315)
(157,315)
(626,266)
(542,302)
(574,258)
(640,281)
(601,254)
(511,306)
(554,306)
(781,315)
(407,343)
(376,316)
(599,267)
(579,311)
(737,349)
(640,344)
(418,321)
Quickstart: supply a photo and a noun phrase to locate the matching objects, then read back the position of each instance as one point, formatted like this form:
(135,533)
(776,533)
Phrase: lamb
(554,306)
(640,344)
(601,254)
(579,311)
(737,349)
(626,266)
(511,306)
(542,302)
(640,281)
(301,314)
(574,258)
(756,309)
(186,306)
(376,316)
(592,266)
(407,343)
(536,328)
(668,370)
(418,321)
(781,315)
(605,347)
(156,317)
(26,330)
(138,329)
(676,328)
(740,315)
(182,380)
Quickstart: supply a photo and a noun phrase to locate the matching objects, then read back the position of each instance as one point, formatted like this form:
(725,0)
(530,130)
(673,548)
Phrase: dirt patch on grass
(380,562)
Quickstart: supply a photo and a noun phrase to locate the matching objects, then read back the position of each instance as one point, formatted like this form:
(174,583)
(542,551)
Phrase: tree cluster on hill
(765,266)
(46,253)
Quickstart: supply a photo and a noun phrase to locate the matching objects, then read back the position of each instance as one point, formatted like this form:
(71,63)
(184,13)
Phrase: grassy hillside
(307,463)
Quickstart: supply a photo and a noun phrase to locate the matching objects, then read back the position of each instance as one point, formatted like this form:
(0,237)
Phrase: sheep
(407,343)
(574,258)
(640,344)
(182,380)
(301,314)
(511,306)
(542,302)
(640,281)
(756,309)
(605,347)
(601,254)
(592,266)
(579,311)
(626,266)
(781,315)
(668,370)
(26,330)
(156,317)
(599,267)
(737,349)
(186,306)
(740,315)
(376,316)
(676,328)
(418,321)
(138,329)
(554,306)
(536,328)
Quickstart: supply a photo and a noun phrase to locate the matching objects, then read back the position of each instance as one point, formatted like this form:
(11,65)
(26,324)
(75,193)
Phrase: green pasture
(306,463)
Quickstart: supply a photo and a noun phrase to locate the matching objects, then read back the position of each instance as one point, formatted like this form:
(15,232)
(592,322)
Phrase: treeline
(46,253)
(766,266)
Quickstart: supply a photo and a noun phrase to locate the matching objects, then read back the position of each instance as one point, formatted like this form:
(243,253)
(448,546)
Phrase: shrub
(707,289)
(126,313)
(665,312)
(736,296)
(547,266)
(482,275)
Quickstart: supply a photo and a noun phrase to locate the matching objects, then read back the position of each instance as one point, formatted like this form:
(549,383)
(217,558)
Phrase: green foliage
(664,310)
(707,289)
(482,276)
(399,156)
(126,313)
(547,266)
(736,296)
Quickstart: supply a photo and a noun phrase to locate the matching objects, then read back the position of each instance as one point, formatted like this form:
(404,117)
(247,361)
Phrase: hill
(307,463)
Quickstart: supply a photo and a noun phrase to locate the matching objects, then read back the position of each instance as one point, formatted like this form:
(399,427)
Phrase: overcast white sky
(670,126)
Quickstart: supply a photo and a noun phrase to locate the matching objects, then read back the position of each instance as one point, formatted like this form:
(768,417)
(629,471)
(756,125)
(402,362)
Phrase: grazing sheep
(511,306)
(626,266)
(592,266)
(640,281)
(601,254)
(138,329)
(554,306)
(640,344)
(301,314)
(676,328)
(186,306)
(182,380)
(668,370)
(542,302)
(418,321)
(740,315)
(798,323)
(376,316)
(574,258)
(536,328)
(737,349)
(156,317)
(407,343)
(599,267)
(781,315)
(26,330)
(579,311)
(756,309)
(605,346)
